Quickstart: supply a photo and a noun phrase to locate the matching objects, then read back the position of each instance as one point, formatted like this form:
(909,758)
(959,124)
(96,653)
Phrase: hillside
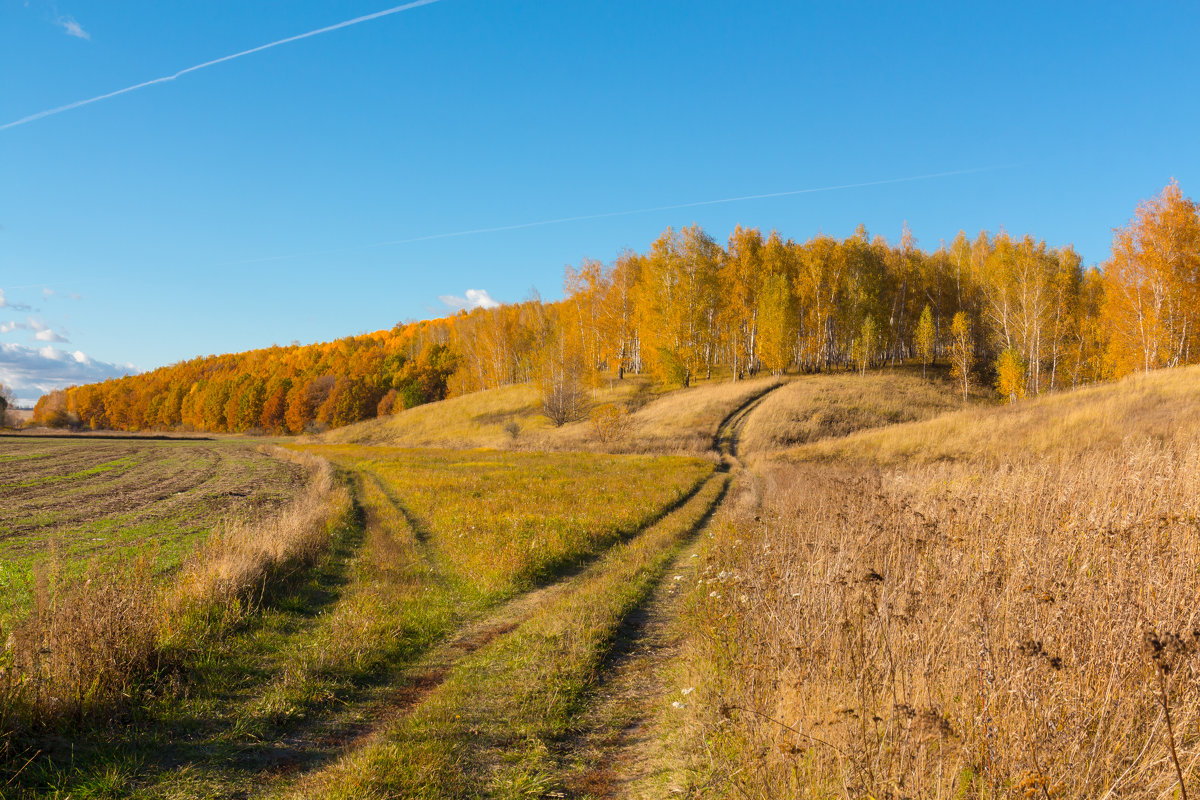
(690,308)
(492,605)
(651,420)
(830,406)
(1162,407)
(994,602)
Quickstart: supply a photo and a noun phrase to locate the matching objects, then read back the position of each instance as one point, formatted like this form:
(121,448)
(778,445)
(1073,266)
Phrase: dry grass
(94,643)
(815,407)
(687,420)
(682,421)
(1160,406)
(481,419)
(239,557)
(1005,626)
(473,420)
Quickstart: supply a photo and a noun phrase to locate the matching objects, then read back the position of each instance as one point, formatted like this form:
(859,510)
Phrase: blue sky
(246,203)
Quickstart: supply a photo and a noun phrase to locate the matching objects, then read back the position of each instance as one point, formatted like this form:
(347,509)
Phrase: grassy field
(500,724)
(67,502)
(443,540)
(494,522)
(897,596)
(993,603)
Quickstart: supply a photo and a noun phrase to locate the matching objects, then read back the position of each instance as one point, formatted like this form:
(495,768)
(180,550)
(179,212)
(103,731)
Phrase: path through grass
(449,548)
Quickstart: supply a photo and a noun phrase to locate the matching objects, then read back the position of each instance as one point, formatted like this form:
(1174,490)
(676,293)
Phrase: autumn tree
(742,277)
(776,322)
(1010,375)
(1152,285)
(274,408)
(306,399)
(583,318)
(866,345)
(925,338)
(962,351)
(618,314)
(678,291)
(425,379)
(564,396)
(5,404)
(818,285)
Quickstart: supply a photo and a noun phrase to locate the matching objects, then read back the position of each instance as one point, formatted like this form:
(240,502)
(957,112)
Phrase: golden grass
(494,521)
(993,624)
(814,407)
(472,420)
(681,421)
(1162,406)
(687,420)
(482,419)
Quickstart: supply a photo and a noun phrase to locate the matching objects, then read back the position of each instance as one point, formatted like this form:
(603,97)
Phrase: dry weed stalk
(959,630)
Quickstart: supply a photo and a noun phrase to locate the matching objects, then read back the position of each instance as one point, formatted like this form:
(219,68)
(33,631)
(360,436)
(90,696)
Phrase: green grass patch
(495,522)
(497,726)
(70,506)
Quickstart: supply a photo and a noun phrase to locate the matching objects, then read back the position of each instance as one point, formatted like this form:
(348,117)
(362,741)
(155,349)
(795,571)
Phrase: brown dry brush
(957,630)
(93,645)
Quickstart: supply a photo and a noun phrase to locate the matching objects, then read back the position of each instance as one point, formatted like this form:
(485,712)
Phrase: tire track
(408,686)
(620,750)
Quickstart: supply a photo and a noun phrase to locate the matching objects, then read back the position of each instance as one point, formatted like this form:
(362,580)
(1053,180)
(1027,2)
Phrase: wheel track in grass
(241,754)
(639,629)
(308,748)
(619,752)
(395,689)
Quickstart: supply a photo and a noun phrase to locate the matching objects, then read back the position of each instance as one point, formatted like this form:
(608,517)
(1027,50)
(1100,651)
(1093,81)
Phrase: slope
(1160,406)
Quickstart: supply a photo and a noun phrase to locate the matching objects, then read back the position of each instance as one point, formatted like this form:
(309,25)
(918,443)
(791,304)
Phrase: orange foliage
(689,306)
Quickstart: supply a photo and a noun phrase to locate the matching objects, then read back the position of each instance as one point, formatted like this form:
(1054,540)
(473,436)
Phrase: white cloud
(475,298)
(72,28)
(48,335)
(14,306)
(42,331)
(9,327)
(31,372)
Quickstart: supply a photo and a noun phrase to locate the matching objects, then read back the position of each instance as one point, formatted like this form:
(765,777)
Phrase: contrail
(631,212)
(688,205)
(221,60)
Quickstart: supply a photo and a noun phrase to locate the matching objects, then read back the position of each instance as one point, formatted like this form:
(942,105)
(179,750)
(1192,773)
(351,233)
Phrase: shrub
(610,422)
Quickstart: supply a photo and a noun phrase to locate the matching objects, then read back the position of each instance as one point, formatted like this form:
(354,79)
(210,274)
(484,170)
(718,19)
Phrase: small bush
(563,398)
(610,422)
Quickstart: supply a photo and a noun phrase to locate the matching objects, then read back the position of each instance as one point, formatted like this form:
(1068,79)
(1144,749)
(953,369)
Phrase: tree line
(1011,312)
